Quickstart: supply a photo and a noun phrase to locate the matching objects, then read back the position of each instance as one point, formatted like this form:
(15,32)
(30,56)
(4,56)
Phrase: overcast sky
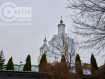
(19,41)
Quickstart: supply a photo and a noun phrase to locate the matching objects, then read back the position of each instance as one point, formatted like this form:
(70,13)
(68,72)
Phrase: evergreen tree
(9,65)
(43,59)
(2,60)
(63,59)
(78,58)
(93,64)
(27,66)
(78,65)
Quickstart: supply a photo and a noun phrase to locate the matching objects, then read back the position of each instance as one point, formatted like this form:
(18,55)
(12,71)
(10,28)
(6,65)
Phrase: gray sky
(19,41)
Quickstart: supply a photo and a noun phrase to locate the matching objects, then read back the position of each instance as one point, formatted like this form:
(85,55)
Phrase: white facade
(57,45)
(43,49)
(34,68)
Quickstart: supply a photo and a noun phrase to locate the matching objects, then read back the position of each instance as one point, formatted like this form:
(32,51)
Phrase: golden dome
(45,36)
(61,21)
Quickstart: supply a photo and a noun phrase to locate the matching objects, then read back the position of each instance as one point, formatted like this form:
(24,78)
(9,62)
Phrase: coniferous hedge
(43,59)
(2,59)
(78,65)
(93,64)
(27,66)
(9,65)
(78,58)
(63,59)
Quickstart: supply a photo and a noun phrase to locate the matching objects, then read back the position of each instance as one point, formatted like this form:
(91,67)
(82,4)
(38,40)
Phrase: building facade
(60,44)
(34,68)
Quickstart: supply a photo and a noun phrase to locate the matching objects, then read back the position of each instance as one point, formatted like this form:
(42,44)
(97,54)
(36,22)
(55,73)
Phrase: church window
(58,45)
(60,29)
(50,47)
(60,42)
(54,45)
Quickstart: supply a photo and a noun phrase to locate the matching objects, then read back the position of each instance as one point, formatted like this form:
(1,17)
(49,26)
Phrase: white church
(59,45)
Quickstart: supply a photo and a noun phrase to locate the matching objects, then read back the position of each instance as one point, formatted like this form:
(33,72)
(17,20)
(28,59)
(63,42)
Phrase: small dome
(45,37)
(61,21)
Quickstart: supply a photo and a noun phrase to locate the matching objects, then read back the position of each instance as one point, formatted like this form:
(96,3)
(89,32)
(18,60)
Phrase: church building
(60,44)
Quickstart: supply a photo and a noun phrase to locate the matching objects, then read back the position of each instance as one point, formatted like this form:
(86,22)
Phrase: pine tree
(93,64)
(63,59)
(9,65)
(2,60)
(78,65)
(27,66)
(43,59)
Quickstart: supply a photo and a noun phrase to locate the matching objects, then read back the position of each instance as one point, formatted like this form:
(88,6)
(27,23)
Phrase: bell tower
(61,27)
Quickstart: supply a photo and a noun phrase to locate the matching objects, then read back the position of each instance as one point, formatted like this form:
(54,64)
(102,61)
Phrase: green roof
(23,65)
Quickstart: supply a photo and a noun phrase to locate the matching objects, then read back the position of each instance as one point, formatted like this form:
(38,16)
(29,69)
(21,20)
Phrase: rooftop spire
(45,41)
(61,21)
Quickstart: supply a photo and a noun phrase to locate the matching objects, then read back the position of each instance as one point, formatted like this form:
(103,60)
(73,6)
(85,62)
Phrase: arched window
(60,29)
(55,45)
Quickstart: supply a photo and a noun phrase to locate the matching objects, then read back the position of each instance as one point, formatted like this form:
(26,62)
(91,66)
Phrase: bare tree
(64,47)
(89,19)
(86,68)
(58,70)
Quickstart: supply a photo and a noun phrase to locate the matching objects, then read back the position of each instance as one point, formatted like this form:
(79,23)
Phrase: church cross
(61,17)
